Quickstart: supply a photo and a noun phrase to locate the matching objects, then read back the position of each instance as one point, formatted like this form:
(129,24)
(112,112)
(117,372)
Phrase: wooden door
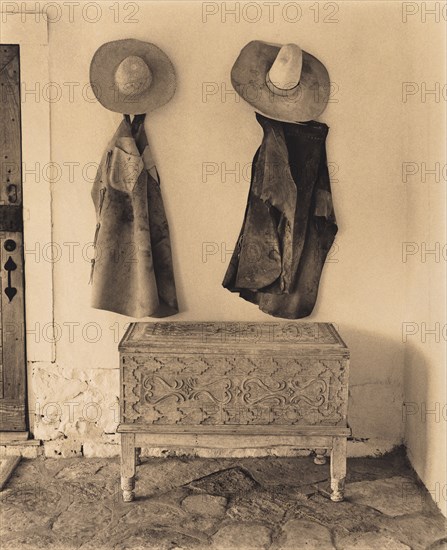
(12,314)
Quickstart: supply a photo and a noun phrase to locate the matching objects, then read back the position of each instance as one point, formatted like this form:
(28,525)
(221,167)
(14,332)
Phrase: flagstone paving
(235,504)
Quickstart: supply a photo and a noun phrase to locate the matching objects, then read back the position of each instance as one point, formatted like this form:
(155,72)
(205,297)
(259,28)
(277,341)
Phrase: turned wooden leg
(338,468)
(320,457)
(128,466)
(137,456)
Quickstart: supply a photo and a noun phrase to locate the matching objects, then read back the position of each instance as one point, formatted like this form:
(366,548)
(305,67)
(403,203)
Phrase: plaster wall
(424,328)
(204,141)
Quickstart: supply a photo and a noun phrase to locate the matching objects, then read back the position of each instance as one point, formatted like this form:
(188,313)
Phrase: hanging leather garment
(132,272)
(289,224)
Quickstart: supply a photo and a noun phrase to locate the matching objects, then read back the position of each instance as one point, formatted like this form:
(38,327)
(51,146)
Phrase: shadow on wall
(375,412)
(424,417)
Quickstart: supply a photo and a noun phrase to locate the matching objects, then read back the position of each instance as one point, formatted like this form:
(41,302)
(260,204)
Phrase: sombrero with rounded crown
(131,76)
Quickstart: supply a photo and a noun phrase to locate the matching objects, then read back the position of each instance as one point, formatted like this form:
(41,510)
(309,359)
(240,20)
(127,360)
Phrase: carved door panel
(12,310)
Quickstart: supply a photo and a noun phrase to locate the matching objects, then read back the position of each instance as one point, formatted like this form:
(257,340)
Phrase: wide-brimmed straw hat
(130,76)
(281,82)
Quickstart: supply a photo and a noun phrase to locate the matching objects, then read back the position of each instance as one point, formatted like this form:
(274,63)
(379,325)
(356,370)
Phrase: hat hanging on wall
(131,76)
(282,82)
(132,272)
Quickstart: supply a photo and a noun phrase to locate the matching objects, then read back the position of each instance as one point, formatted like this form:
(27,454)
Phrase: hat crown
(133,75)
(285,73)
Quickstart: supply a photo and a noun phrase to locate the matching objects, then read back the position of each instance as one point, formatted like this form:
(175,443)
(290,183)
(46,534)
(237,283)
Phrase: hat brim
(300,104)
(102,77)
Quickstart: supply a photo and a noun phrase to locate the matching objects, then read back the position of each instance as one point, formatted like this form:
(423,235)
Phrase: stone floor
(269,503)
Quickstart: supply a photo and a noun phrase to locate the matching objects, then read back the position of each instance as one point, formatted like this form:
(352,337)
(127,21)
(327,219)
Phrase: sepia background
(383,282)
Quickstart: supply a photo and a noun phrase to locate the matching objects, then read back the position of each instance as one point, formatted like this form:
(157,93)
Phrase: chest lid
(234,337)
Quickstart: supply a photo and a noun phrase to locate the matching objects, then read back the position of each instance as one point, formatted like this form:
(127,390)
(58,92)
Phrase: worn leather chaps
(289,223)
(132,272)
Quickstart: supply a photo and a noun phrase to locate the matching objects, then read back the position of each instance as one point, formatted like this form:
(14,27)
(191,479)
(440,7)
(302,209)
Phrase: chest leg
(128,466)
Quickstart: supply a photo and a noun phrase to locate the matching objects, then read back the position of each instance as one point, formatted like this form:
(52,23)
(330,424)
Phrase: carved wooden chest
(208,384)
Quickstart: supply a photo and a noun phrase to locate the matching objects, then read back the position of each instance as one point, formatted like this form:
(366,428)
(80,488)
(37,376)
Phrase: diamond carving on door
(12,312)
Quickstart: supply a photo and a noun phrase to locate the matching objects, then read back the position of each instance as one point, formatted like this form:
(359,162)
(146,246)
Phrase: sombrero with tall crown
(281,82)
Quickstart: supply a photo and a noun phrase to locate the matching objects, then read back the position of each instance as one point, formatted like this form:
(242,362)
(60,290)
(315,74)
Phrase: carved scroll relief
(225,390)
